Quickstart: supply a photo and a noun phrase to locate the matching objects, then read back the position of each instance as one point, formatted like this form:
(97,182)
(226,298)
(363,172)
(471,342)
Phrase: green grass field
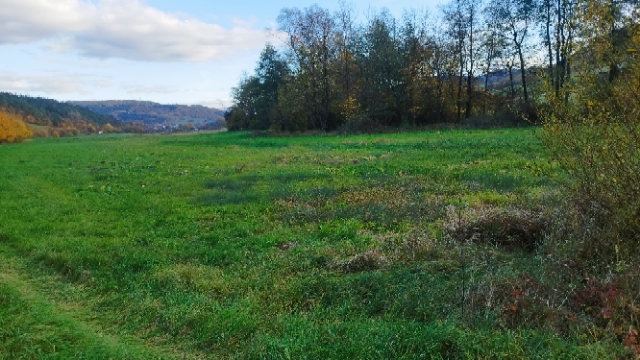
(233,246)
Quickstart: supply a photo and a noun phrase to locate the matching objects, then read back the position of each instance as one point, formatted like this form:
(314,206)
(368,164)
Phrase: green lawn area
(232,246)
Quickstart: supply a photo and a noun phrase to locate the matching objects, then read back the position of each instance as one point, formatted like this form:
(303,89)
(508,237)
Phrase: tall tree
(311,34)
(454,16)
(516,18)
(471,17)
(346,33)
(270,72)
(382,63)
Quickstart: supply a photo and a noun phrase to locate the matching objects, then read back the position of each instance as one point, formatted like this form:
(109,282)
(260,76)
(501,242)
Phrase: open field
(229,246)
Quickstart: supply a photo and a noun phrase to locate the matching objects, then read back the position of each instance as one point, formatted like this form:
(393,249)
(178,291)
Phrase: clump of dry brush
(512,228)
(585,280)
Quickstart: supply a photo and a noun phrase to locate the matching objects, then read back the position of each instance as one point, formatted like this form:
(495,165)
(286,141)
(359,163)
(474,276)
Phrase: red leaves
(516,293)
(631,338)
(631,341)
(598,300)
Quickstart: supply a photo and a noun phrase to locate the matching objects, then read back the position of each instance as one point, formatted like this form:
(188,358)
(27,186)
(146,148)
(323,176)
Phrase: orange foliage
(41,133)
(12,128)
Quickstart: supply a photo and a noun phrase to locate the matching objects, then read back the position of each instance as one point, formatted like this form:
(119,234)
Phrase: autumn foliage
(13,128)
(592,123)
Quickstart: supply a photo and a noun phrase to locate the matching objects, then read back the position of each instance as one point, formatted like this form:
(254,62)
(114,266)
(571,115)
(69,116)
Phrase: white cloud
(48,84)
(142,89)
(216,104)
(127,29)
(102,84)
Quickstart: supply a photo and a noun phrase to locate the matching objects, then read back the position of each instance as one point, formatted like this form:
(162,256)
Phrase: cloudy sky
(168,51)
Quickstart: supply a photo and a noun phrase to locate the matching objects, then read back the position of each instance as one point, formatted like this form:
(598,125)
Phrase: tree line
(474,60)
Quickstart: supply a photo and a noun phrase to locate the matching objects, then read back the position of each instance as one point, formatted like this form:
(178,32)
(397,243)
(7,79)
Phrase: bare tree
(516,18)
(345,20)
(454,17)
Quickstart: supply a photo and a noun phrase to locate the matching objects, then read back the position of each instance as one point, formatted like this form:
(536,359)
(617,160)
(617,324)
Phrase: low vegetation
(445,244)
(440,244)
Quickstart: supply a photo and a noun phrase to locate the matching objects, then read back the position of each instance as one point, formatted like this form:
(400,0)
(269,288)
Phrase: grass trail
(41,317)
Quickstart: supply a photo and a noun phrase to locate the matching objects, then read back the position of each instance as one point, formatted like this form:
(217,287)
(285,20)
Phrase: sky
(166,51)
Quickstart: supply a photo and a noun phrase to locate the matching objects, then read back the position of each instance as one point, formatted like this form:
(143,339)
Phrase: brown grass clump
(511,228)
(369,260)
(392,198)
(286,246)
(413,245)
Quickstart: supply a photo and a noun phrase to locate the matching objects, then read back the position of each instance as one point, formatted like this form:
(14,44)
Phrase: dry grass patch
(509,227)
(392,198)
(370,260)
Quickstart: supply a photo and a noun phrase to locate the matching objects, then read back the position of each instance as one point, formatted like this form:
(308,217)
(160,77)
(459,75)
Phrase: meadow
(231,245)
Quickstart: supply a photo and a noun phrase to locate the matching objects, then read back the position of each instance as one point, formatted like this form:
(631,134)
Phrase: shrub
(41,133)
(592,123)
(12,128)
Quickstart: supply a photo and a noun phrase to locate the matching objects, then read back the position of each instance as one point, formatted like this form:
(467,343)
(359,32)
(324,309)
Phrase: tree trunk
(558,46)
(513,89)
(523,74)
(460,78)
(486,85)
(548,37)
(467,113)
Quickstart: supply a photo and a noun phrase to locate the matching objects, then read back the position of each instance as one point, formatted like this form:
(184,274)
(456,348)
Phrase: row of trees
(474,58)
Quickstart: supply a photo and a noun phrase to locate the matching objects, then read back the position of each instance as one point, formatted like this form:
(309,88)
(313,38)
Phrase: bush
(592,124)
(12,128)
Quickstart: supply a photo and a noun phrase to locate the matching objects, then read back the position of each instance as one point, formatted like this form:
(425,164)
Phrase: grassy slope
(224,245)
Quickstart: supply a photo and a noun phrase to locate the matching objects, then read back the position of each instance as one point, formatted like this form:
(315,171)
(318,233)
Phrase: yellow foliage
(41,133)
(108,128)
(12,128)
(592,124)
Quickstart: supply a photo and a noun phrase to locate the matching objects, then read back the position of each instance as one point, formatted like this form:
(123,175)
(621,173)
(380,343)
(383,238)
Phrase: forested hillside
(49,117)
(151,113)
(51,112)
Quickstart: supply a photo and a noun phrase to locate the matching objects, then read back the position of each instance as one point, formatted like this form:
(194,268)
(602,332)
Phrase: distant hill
(49,112)
(153,114)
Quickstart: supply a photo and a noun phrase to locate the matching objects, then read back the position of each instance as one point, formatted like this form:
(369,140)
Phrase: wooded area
(475,62)
(150,113)
(53,118)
